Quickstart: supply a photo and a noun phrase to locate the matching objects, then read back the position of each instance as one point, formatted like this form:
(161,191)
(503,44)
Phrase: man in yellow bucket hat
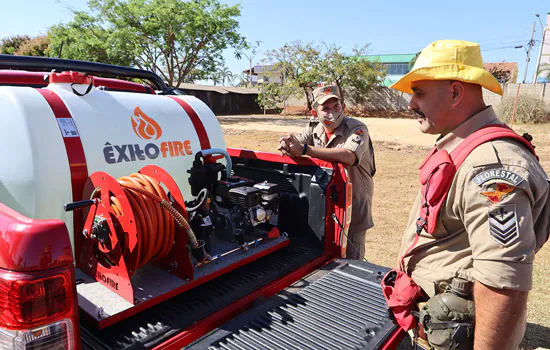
(479,234)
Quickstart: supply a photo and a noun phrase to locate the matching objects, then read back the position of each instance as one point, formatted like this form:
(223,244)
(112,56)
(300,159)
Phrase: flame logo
(144,126)
(498,193)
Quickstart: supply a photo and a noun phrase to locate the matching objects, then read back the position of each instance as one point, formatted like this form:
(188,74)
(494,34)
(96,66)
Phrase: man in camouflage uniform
(496,216)
(334,137)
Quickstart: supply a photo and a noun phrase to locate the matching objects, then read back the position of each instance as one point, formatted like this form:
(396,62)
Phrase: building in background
(265,74)
(224,100)
(396,65)
(505,72)
(543,60)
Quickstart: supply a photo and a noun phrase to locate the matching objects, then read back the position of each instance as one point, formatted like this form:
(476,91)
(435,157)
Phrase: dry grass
(396,185)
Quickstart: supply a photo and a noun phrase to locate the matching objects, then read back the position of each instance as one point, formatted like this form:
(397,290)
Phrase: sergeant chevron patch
(503,224)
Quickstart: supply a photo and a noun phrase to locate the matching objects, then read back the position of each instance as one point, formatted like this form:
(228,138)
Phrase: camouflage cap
(324,93)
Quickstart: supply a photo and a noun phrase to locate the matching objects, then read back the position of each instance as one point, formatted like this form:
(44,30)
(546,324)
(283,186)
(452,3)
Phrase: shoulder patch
(500,174)
(496,192)
(503,224)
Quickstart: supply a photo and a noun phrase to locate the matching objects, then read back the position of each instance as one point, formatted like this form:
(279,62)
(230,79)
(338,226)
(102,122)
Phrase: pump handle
(79,204)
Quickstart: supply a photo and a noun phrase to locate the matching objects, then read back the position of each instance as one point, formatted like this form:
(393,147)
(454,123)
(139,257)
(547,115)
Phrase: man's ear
(457,89)
(314,113)
(343,107)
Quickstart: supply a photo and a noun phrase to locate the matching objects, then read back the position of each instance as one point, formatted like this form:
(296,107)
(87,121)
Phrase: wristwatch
(305,149)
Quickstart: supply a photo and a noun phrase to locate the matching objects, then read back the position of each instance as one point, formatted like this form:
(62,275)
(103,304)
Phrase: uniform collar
(477,121)
(339,131)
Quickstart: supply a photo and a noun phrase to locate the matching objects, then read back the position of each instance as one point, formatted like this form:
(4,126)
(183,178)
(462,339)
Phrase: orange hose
(155,217)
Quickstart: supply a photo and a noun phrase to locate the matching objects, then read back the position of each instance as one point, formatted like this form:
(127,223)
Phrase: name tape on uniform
(500,174)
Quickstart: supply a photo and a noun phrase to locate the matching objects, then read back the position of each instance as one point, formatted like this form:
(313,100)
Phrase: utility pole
(529,47)
(250,70)
(250,57)
(284,75)
(540,51)
(263,83)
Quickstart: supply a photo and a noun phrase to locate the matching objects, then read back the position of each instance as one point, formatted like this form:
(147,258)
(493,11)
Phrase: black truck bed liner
(338,307)
(161,322)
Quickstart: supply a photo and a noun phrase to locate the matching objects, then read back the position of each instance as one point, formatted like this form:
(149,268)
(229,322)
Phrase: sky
(389,27)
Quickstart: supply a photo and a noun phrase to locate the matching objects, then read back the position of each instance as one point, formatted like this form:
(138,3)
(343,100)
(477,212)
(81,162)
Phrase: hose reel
(133,221)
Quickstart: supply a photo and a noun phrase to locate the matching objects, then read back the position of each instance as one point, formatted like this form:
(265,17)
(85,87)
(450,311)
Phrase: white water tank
(120,132)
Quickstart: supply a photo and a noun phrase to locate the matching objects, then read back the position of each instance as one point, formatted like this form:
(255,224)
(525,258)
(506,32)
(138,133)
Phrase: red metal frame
(36,79)
(175,262)
(116,274)
(116,277)
(339,187)
(276,158)
(192,284)
(218,318)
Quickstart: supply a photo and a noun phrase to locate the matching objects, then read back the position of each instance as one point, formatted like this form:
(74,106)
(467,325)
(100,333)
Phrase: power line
(503,48)
(514,40)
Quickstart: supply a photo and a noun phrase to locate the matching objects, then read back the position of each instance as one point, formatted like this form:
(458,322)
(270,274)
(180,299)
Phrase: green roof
(401,58)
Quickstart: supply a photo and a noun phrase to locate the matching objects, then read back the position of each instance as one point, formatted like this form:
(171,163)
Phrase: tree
(351,71)
(87,38)
(502,71)
(10,45)
(24,45)
(270,95)
(179,40)
(241,80)
(254,51)
(226,74)
(300,63)
(217,77)
(38,46)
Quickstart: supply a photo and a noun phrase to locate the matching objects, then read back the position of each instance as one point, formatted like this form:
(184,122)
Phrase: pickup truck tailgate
(338,307)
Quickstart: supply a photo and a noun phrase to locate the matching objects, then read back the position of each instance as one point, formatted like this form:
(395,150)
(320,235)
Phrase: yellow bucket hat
(449,60)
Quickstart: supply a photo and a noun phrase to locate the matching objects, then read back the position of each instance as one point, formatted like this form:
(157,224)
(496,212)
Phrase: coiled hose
(155,226)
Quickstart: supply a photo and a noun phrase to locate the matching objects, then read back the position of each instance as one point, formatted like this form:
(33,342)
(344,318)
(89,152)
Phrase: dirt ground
(399,149)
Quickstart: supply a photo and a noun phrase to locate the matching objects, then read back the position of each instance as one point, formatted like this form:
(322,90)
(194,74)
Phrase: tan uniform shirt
(354,136)
(495,219)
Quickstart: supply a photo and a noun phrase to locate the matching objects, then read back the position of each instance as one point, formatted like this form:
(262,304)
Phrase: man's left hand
(295,148)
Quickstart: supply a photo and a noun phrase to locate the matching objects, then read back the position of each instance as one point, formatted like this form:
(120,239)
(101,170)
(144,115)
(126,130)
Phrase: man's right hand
(284,145)
(290,146)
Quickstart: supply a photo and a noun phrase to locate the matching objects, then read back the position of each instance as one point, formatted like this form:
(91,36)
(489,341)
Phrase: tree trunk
(308,99)
(341,91)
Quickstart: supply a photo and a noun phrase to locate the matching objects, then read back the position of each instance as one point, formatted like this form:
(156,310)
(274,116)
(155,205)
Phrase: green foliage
(38,46)
(270,95)
(300,64)
(351,72)
(11,45)
(307,65)
(87,38)
(254,50)
(182,41)
(24,45)
(529,109)
(222,76)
